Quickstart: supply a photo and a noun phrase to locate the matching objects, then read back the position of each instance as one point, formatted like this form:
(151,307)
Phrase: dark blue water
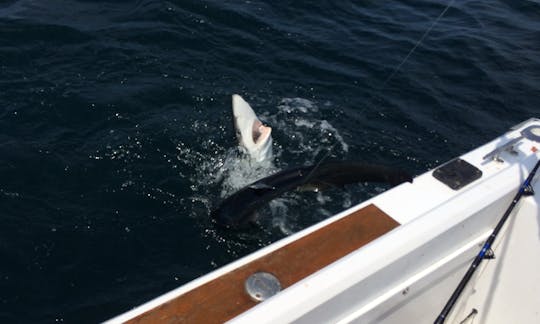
(116,133)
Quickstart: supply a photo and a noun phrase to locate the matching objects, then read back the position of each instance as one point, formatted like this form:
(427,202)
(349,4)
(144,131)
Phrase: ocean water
(116,132)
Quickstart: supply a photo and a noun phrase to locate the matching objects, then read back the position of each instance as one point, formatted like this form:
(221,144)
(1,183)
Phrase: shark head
(252,134)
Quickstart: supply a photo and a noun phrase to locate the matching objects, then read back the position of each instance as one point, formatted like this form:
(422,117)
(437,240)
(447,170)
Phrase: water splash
(301,135)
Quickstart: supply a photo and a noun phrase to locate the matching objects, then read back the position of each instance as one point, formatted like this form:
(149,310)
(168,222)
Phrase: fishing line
(417,44)
(312,172)
(411,51)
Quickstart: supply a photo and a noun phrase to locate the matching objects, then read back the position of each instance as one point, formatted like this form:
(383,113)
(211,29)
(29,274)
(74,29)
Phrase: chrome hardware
(531,133)
(262,285)
(508,146)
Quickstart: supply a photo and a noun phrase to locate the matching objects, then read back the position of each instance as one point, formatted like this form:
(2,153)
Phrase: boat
(394,258)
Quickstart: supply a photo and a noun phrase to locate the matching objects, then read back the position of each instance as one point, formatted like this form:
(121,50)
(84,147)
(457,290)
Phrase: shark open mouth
(260,132)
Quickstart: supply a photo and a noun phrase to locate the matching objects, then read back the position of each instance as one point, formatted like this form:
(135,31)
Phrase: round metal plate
(532,133)
(262,285)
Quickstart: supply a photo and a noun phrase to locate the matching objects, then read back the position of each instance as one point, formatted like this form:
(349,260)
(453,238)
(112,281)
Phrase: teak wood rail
(224,297)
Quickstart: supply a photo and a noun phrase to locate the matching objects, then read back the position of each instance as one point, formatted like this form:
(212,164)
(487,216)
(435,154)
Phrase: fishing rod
(486,252)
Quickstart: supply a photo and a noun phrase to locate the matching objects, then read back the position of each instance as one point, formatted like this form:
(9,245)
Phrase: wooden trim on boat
(224,297)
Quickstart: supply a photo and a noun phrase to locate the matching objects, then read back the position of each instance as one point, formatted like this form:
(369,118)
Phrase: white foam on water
(279,208)
(239,170)
(307,134)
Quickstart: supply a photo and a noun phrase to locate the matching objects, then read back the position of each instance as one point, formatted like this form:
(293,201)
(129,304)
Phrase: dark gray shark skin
(237,210)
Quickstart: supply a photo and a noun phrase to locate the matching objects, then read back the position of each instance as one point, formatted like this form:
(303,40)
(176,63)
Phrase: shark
(239,209)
